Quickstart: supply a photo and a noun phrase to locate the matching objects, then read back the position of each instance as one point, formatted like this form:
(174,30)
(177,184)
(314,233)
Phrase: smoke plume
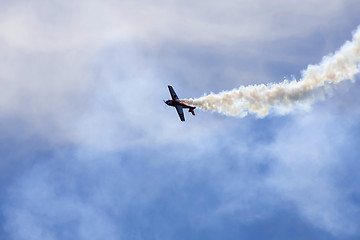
(282,97)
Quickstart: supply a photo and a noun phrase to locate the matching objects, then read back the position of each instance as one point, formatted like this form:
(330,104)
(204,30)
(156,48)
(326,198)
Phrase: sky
(88,150)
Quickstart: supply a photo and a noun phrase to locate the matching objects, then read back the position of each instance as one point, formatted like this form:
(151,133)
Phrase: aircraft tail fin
(192,111)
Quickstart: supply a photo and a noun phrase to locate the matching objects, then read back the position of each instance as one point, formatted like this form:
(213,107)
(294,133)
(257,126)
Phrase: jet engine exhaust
(281,98)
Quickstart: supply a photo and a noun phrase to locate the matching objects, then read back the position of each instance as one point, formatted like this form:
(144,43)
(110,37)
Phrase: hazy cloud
(86,80)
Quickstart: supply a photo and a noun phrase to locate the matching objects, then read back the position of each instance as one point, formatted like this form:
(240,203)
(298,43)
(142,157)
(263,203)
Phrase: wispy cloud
(307,151)
(51,49)
(89,76)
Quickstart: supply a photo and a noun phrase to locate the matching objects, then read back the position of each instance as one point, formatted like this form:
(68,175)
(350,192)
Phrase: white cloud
(54,74)
(62,25)
(50,49)
(307,151)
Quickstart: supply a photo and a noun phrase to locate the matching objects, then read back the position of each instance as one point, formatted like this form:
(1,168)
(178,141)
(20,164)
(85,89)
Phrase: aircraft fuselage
(174,103)
(178,104)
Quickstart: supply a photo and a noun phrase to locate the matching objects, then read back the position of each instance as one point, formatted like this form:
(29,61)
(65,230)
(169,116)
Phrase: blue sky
(88,150)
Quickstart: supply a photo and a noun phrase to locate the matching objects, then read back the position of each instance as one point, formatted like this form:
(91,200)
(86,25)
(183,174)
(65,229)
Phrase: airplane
(178,104)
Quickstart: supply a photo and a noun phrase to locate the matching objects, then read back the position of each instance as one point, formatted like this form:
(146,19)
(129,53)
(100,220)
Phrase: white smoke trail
(283,97)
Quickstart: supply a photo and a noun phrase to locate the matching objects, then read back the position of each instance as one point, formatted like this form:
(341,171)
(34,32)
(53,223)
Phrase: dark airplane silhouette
(178,104)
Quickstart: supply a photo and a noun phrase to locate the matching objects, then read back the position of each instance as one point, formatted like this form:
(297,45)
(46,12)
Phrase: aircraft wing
(172,92)
(180,111)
